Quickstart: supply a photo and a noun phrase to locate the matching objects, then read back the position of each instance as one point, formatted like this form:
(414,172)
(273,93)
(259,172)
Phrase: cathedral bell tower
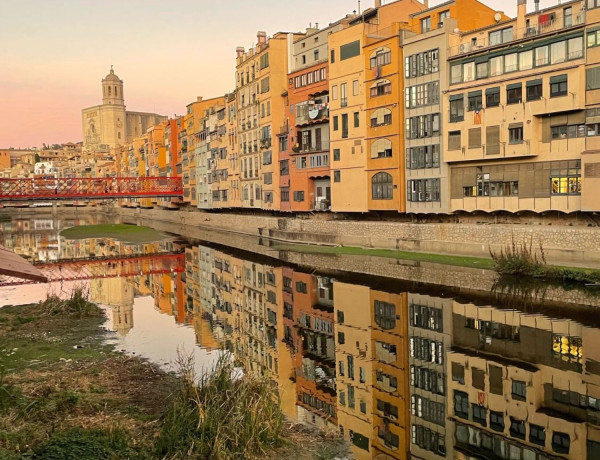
(112,89)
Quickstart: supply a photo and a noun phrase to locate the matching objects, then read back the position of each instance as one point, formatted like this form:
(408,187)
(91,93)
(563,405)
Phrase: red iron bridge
(80,269)
(100,188)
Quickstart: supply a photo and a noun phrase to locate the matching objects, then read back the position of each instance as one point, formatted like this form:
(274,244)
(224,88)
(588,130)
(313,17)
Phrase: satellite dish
(497,17)
(313,113)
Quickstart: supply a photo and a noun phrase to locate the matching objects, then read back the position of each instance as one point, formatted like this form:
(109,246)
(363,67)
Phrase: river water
(399,369)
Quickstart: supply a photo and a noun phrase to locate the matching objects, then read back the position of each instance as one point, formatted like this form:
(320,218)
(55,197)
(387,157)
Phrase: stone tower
(112,89)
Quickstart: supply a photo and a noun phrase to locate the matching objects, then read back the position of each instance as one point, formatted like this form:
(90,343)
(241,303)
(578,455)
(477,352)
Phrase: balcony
(554,24)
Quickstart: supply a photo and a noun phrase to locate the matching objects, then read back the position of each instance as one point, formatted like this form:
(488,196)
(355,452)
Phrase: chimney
(537,5)
(239,51)
(262,37)
(426,3)
(521,13)
(377,3)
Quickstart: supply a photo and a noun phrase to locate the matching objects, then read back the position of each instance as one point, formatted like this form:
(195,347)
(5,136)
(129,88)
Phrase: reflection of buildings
(118,294)
(404,375)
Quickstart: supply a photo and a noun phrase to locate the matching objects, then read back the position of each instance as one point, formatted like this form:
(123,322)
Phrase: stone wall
(563,245)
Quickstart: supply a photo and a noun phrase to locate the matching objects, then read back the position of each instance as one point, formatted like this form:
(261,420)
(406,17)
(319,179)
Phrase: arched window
(381,56)
(116,92)
(381,87)
(381,117)
(381,148)
(382,185)
(109,90)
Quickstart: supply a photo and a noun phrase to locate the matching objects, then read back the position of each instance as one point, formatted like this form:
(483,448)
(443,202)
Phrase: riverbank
(66,395)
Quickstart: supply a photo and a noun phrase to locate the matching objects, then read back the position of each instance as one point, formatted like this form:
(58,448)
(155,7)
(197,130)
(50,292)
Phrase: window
(481,70)
(510,63)
(517,428)
(381,148)
(561,442)
(264,61)
(496,66)
(380,88)
(566,181)
(457,108)
(381,57)
(526,60)
(479,414)
(496,421)
(537,435)
(349,50)
(514,93)
(515,133)
(422,126)
(443,15)
(423,190)
(458,373)
(344,126)
(558,86)
(363,406)
(427,156)
(342,397)
(425,25)
(495,374)
(534,90)
(421,64)
(343,95)
(355,88)
(299,196)
(542,56)
(568,16)
(336,154)
(492,97)
(461,404)
(498,37)
(382,185)
(335,123)
(454,142)
(316,55)
(285,195)
(334,93)
(356,119)
(592,78)
(381,117)
(284,167)
(362,375)
(558,52)
(337,176)
(478,378)
(385,313)
(519,390)
(332,56)
(456,74)
(351,367)
(469,71)
(421,95)
(575,48)
(475,101)
(301,287)
(474,138)
(341,341)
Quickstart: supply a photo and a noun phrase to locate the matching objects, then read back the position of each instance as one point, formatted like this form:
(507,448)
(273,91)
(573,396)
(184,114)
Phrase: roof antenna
(359,7)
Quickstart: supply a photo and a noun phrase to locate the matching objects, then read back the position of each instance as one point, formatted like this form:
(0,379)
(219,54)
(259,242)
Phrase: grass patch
(459,261)
(122,232)
(523,260)
(225,415)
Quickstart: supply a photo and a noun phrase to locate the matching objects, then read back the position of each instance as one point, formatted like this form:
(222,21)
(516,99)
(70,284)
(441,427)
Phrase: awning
(12,264)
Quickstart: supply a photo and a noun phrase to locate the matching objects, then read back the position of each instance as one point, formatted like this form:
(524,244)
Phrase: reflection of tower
(116,293)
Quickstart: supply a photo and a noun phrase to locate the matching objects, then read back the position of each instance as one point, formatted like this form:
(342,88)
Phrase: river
(394,366)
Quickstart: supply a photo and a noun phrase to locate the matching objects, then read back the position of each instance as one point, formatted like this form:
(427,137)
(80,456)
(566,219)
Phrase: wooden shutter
(475,138)
(492,140)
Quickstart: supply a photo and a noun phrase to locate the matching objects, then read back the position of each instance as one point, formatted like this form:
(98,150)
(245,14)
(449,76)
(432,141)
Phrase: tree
(37,158)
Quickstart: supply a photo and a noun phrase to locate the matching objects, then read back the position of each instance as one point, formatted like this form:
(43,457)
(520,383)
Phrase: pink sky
(54,54)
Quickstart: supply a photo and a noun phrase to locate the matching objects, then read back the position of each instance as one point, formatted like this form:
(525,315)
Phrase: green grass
(458,261)
(123,232)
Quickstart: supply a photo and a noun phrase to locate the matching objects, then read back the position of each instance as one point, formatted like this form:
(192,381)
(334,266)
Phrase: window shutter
(492,140)
(454,140)
(475,138)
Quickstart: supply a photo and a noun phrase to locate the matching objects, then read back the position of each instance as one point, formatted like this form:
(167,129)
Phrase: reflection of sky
(157,337)
(32,293)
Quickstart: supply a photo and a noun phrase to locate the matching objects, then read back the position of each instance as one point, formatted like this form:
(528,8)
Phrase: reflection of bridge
(63,188)
(80,269)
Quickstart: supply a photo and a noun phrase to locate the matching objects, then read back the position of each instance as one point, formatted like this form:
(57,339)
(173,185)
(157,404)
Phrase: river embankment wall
(562,244)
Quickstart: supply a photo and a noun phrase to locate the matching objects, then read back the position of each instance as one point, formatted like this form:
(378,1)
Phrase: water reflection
(398,372)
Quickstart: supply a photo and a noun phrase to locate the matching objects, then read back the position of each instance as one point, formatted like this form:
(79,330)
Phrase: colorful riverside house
(425,67)
(352,181)
(232,180)
(518,125)
(355,366)
(261,79)
(157,156)
(218,162)
(305,175)
(171,159)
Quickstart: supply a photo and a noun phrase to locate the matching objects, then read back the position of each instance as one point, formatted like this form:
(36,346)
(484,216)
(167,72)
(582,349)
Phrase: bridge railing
(89,188)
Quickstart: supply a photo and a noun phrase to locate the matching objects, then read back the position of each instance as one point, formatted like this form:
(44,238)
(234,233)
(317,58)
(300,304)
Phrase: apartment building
(522,384)
(425,83)
(516,105)
(353,182)
(304,173)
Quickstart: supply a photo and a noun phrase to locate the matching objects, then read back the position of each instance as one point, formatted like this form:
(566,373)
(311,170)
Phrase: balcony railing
(552,25)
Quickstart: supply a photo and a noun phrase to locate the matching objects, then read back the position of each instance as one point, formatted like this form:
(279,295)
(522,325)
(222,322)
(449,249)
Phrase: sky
(54,54)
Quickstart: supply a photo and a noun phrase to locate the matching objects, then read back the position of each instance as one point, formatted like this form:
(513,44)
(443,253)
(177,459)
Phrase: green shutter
(537,82)
(514,86)
(558,79)
(474,93)
(494,90)
(349,50)
(456,97)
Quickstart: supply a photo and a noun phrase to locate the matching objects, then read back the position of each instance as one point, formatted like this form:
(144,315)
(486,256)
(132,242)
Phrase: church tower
(112,89)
